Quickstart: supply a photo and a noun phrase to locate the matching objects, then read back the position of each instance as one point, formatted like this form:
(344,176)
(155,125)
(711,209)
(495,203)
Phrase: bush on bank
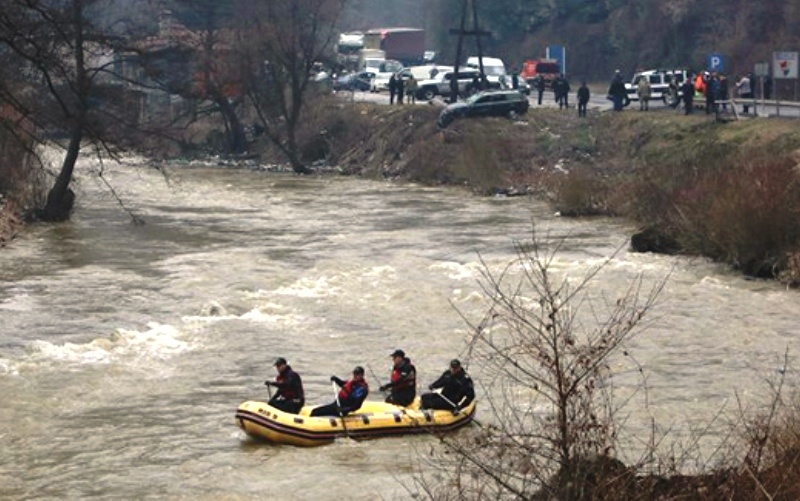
(18,188)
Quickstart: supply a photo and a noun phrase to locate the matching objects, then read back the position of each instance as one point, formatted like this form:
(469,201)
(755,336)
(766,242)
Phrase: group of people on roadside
(561,87)
(456,390)
(400,87)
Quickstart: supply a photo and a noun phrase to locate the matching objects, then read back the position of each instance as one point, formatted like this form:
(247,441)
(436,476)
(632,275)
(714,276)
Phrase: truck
(348,48)
(549,69)
(406,45)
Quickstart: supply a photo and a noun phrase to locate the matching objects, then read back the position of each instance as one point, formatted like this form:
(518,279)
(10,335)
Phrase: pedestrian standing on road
(643,89)
(557,89)
(392,88)
(673,91)
(712,89)
(514,79)
(565,88)
(411,89)
(745,91)
(400,88)
(723,93)
(617,92)
(539,84)
(583,99)
(688,96)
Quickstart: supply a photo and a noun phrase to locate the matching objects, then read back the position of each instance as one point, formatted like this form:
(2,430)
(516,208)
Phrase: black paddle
(339,407)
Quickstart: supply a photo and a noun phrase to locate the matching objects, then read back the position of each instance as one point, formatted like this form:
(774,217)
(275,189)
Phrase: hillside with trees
(602,36)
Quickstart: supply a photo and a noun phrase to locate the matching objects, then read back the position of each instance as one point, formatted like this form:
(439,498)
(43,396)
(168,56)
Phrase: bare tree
(58,58)
(281,42)
(547,342)
(217,76)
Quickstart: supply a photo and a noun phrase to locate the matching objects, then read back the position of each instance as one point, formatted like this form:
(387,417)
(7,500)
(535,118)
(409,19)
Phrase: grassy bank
(725,190)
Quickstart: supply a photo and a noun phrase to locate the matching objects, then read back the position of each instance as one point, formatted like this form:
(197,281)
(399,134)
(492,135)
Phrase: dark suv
(490,103)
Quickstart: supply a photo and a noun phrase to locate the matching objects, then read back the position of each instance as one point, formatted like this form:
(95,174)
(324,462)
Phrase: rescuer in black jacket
(403,384)
(457,390)
(290,396)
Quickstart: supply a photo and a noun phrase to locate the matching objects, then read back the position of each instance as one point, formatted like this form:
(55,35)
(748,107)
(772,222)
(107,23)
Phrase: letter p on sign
(716,62)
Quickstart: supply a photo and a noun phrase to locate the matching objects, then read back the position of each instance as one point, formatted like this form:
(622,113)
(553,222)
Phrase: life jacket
(700,84)
(353,389)
(404,377)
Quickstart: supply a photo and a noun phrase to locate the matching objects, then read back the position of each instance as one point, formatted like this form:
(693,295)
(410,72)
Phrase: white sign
(762,69)
(784,64)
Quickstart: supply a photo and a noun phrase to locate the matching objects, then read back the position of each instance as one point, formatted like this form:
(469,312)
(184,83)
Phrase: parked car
(439,85)
(385,71)
(659,83)
(489,103)
(354,81)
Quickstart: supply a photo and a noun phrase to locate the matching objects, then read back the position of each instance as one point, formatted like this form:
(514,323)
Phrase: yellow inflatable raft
(373,419)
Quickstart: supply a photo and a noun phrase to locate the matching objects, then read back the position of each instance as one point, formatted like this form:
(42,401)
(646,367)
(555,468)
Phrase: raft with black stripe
(372,420)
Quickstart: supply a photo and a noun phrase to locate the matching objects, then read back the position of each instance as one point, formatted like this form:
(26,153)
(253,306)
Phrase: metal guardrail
(772,103)
(767,102)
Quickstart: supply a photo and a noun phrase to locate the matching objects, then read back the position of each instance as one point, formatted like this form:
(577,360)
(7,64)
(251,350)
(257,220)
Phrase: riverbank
(694,185)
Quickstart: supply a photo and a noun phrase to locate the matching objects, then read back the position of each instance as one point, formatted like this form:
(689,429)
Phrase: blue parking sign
(716,62)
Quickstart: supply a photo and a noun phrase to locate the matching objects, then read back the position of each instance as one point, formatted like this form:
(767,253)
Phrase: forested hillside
(602,35)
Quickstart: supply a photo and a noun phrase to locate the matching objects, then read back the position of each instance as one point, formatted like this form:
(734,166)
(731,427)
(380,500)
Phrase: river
(126,348)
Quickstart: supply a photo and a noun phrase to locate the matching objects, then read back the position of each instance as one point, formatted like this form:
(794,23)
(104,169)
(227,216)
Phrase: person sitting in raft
(457,390)
(290,396)
(403,384)
(352,394)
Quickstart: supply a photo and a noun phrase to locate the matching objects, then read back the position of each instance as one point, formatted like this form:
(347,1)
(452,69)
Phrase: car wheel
(428,94)
(513,115)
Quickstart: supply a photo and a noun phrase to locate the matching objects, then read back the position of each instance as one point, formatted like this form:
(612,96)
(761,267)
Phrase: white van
(493,68)
(659,83)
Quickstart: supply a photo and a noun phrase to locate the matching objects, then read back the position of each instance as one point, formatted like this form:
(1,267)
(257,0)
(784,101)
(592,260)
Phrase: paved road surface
(599,102)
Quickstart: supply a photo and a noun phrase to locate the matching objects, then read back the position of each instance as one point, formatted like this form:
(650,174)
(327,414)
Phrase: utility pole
(462,32)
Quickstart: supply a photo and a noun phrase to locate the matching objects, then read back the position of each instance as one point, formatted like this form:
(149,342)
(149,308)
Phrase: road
(599,102)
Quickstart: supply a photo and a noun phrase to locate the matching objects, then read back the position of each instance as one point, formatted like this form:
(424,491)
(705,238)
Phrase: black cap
(398,353)
(280,361)
(455,363)
(358,370)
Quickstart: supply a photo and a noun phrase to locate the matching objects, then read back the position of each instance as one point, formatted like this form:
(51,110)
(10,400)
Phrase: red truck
(406,45)
(549,69)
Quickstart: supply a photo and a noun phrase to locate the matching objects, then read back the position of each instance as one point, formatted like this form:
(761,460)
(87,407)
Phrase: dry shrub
(544,343)
(746,216)
(580,193)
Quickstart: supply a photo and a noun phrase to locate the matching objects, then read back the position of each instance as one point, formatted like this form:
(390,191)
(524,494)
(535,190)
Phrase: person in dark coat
(583,99)
(401,88)
(403,383)
(617,92)
(392,88)
(563,92)
(539,84)
(352,394)
(688,96)
(712,89)
(290,396)
(457,390)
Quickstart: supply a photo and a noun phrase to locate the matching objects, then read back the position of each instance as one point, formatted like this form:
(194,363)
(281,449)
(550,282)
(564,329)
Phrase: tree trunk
(61,199)
(237,139)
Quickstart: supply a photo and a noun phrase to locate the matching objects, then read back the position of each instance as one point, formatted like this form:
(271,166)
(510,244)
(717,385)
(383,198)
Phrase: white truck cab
(493,67)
